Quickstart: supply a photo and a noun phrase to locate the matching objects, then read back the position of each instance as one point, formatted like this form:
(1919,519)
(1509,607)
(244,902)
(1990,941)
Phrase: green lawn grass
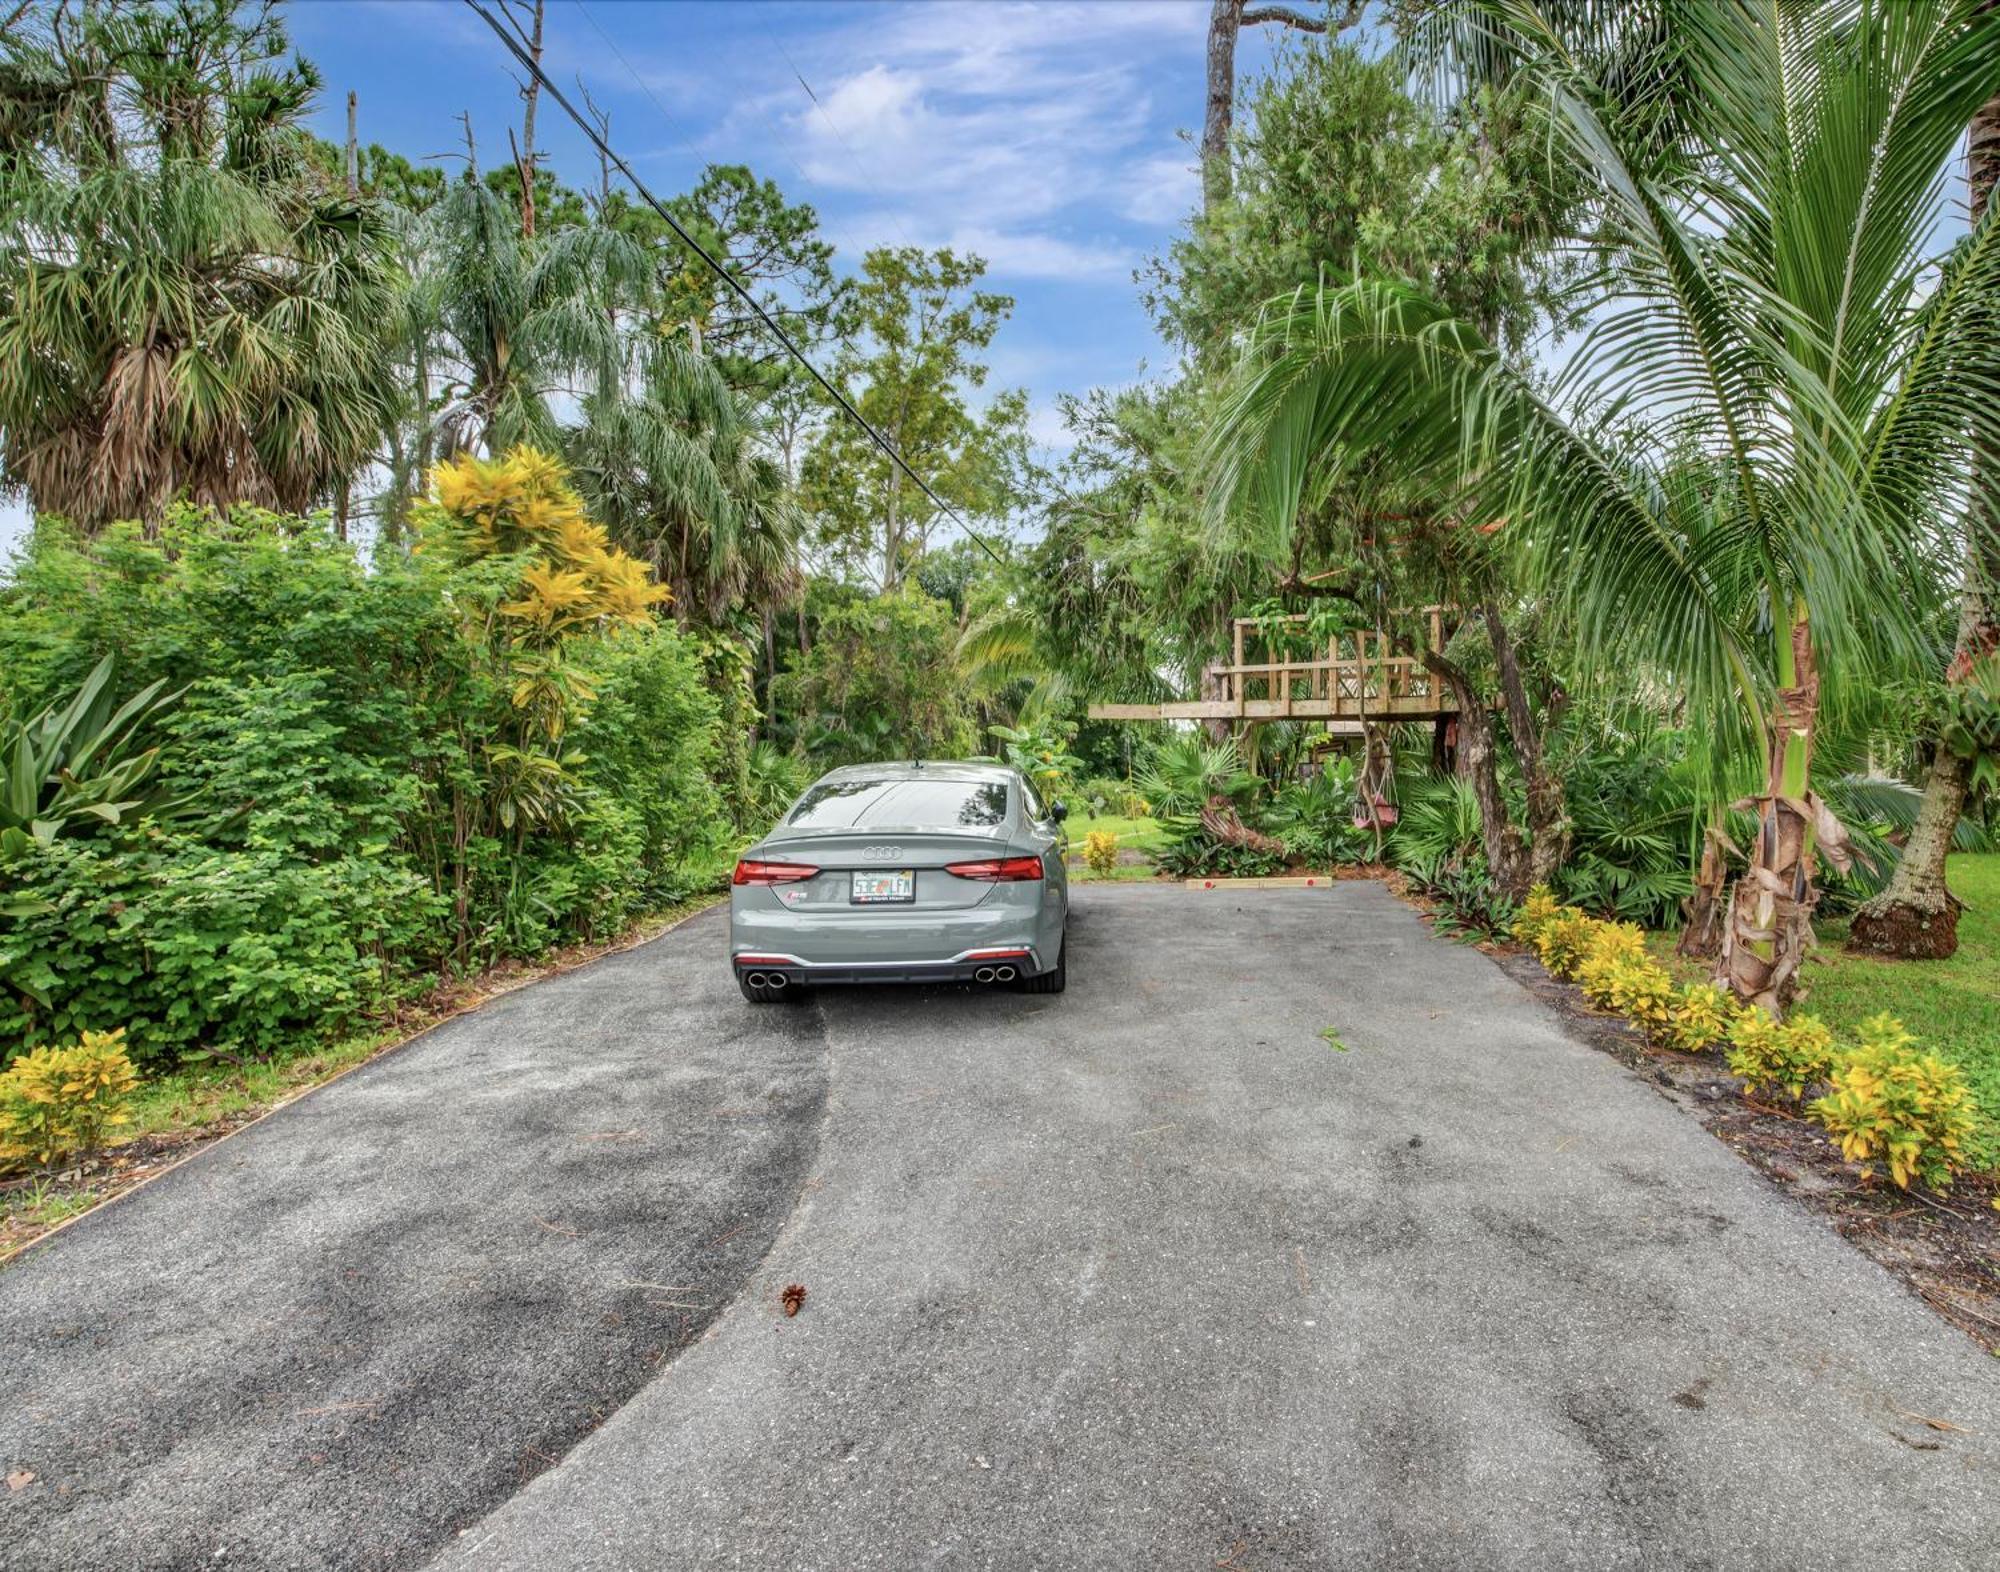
(1138,834)
(1134,834)
(1952,1006)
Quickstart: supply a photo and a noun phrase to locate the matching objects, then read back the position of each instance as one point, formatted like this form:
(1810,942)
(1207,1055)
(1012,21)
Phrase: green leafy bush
(1910,1109)
(1040,750)
(1698,1017)
(879,682)
(1438,828)
(1786,1057)
(1100,851)
(205,946)
(79,765)
(1636,810)
(1314,818)
(1107,795)
(1195,854)
(1185,772)
(773,779)
(383,772)
(1470,906)
(56,1102)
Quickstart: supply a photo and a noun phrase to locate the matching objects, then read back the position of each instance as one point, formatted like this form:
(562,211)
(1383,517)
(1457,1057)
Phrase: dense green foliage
(341,731)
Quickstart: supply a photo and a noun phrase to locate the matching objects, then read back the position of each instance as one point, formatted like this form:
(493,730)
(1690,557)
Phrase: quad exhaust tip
(1005,974)
(984,974)
(766,979)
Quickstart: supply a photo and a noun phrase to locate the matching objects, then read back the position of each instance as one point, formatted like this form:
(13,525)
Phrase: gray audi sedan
(920,872)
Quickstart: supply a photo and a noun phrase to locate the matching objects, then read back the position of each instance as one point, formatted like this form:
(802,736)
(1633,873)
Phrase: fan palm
(188,307)
(681,476)
(519,321)
(1738,480)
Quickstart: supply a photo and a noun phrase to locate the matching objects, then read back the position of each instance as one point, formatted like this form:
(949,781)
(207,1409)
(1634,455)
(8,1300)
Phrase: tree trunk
(770,654)
(892,536)
(1770,914)
(1442,745)
(1701,912)
(1220,818)
(352,162)
(1548,817)
(531,91)
(1501,839)
(1213,691)
(1915,917)
(1225,19)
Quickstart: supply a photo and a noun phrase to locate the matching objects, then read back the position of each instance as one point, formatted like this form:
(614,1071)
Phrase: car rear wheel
(1051,981)
(764,993)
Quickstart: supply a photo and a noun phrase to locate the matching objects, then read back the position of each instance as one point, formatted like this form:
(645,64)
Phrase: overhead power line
(522,55)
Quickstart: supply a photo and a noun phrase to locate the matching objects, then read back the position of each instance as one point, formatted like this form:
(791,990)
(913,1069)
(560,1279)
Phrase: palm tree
(189,307)
(1737,480)
(681,476)
(518,321)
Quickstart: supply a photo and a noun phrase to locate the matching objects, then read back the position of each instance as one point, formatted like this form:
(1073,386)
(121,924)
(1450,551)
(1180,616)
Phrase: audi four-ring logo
(882,853)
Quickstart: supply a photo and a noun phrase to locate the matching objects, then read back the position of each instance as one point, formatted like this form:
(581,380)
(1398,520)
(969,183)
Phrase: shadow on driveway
(338,1337)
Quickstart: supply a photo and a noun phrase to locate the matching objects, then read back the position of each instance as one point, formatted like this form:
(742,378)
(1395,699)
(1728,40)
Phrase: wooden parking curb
(1301,881)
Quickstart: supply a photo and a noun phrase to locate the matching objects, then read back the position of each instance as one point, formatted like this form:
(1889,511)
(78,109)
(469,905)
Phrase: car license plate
(876,889)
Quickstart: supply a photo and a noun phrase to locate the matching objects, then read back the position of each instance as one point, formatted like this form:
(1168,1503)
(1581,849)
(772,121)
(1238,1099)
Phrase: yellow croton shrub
(577,583)
(523,502)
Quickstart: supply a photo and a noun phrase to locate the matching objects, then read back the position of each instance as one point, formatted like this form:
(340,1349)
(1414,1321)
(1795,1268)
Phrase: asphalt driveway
(1147,1275)
(343,1334)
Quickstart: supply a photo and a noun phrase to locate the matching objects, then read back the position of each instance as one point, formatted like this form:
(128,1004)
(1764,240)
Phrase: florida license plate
(876,889)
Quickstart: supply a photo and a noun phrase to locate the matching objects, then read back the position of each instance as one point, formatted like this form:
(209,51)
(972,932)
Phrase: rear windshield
(902,804)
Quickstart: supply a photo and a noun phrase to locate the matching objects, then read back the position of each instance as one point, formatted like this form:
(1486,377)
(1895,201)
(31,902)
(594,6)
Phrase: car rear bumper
(995,965)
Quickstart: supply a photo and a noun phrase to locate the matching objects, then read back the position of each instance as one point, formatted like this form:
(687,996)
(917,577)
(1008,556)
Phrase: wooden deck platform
(1359,679)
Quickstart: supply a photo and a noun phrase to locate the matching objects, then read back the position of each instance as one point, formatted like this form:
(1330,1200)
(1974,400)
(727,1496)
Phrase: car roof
(924,769)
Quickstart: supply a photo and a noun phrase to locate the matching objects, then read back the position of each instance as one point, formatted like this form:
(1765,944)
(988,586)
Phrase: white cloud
(1025,254)
(15,519)
(1162,189)
(988,117)
(1047,430)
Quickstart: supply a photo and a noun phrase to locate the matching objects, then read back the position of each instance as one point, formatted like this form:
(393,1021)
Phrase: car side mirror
(1058,810)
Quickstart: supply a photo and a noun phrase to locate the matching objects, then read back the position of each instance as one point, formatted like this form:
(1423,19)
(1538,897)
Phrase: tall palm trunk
(1770,914)
(1916,915)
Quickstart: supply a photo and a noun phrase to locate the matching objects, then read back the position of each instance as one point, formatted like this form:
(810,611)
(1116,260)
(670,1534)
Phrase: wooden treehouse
(1360,676)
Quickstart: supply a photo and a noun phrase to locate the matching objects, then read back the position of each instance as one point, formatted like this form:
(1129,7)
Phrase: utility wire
(840,136)
(806,182)
(526,59)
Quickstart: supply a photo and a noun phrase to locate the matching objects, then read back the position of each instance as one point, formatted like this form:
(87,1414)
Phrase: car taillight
(1004,868)
(771,873)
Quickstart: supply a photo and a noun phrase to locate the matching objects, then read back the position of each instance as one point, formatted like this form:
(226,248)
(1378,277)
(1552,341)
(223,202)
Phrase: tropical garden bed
(1943,1244)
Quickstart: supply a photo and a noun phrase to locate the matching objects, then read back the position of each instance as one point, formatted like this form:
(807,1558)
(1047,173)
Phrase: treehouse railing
(1361,676)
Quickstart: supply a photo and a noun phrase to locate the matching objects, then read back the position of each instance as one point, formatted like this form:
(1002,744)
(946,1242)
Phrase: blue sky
(1046,135)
